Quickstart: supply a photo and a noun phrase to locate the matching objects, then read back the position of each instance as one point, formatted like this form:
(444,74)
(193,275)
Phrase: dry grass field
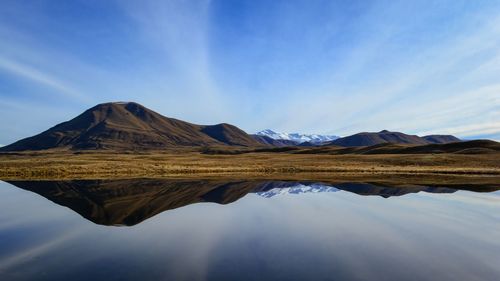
(190,163)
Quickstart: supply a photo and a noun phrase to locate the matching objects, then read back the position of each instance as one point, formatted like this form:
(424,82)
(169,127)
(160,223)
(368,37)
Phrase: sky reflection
(330,236)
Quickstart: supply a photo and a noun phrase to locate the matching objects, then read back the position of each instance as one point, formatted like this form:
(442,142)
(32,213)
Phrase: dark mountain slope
(465,147)
(265,140)
(130,126)
(229,134)
(441,138)
(462,147)
(369,139)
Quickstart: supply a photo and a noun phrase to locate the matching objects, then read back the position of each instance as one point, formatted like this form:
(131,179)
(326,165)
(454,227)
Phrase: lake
(147,229)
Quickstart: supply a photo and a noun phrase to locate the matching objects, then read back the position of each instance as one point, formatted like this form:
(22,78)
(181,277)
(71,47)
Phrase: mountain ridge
(129,125)
(385,136)
(297,138)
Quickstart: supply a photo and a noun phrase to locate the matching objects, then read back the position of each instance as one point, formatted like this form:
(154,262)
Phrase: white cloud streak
(179,31)
(449,85)
(437,91)
(32,74)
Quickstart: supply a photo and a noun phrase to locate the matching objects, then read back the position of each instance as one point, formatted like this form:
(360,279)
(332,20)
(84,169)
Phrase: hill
(374,138)
(465,147)
(441,138)
(130,126)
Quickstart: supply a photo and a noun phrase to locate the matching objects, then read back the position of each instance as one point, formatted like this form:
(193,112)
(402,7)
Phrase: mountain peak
(129,125)
(266,131)
(122,102)
(298,138)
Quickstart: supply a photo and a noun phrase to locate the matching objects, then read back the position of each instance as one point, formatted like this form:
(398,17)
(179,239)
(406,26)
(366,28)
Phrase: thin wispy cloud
(39,77)
(442,85)
(177,33)
(309,66)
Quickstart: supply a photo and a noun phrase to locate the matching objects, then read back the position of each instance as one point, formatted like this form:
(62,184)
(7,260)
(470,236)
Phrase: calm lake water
(258,230)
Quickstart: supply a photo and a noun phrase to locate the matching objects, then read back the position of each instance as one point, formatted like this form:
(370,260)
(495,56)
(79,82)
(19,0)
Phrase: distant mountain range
(361,139)
(369,139)
(131,126)
(296,137)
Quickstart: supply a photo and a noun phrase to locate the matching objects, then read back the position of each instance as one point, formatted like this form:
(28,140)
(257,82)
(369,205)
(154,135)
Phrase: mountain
(374,138)
(128,125)
(441,138)
(296,137)
(229,134)
(273,142)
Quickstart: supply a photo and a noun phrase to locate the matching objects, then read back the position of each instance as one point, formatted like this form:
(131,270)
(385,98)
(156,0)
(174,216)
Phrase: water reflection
(267,230)
(129,202)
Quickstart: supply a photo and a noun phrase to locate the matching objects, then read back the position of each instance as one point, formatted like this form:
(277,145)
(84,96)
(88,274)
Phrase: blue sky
(333,67)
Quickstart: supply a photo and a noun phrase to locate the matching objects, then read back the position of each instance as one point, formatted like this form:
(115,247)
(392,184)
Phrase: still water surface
(214,230)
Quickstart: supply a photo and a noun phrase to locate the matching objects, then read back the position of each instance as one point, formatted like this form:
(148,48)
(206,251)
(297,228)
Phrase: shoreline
(52,165)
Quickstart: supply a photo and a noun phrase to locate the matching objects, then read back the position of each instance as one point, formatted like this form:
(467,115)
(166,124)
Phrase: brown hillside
(369,139)
(130,126)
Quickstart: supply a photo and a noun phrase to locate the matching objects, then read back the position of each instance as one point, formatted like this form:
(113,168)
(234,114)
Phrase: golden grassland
(190,163)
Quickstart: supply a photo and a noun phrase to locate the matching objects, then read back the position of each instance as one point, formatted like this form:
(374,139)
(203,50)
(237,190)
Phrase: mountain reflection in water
(129,202)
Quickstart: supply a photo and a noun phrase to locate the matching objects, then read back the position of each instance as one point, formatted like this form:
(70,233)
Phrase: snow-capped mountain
(296,137)
(297,189)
